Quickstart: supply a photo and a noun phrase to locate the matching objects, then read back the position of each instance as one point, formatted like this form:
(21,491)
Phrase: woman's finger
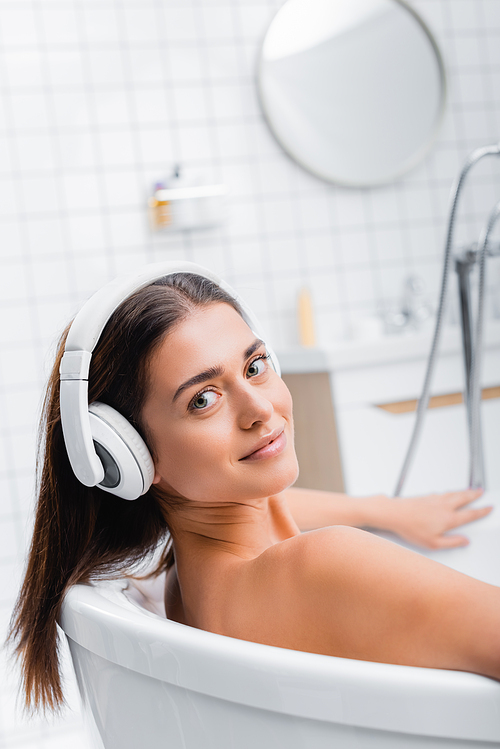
(450,542)
(468,516)
(459,499)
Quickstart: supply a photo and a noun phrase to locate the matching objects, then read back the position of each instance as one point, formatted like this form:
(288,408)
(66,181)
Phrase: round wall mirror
(353,90)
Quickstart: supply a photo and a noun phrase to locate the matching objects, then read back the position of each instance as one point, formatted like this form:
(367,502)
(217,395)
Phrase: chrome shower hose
(473,158)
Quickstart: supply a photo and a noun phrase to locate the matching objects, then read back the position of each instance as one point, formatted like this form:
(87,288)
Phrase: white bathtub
(147,682)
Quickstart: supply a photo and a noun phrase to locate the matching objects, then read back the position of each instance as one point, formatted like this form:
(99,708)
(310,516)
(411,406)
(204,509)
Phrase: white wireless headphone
(104,449)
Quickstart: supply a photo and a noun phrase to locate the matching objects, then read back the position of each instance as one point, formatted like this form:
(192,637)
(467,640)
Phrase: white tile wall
(98,99)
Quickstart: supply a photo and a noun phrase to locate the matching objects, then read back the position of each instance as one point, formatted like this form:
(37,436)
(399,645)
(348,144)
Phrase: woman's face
(218,415)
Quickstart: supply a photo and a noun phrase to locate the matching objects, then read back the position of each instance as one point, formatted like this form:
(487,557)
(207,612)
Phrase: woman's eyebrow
(253,347)
(212,372)
(208,374)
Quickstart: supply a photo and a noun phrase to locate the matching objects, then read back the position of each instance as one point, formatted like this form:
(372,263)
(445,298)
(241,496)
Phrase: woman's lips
(275,446)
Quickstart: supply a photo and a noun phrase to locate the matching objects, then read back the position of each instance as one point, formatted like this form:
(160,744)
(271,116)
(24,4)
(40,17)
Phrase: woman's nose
(255,407)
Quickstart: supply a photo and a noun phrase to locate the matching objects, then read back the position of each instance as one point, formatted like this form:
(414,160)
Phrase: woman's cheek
(203,444)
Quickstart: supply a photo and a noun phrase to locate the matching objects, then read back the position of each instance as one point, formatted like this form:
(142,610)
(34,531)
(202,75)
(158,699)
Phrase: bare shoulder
(310,550)
(324,555)
(326,550)
(346,592)
(280,590)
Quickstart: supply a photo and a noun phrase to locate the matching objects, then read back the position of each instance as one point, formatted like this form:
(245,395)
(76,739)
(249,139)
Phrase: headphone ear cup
(128,466)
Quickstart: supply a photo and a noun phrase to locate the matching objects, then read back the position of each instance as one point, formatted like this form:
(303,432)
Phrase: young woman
(178,360)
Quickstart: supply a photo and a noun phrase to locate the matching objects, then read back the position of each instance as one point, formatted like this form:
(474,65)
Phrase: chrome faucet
(414,311)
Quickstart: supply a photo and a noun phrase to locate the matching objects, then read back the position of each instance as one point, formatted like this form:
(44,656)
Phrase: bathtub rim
(440,703)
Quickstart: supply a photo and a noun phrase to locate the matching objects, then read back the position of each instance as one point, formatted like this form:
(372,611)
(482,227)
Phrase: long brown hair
(81,533)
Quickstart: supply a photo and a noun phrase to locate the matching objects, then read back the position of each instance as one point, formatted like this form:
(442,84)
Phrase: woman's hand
(424,521)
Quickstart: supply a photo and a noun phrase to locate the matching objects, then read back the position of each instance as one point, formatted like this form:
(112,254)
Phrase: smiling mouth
(270,449)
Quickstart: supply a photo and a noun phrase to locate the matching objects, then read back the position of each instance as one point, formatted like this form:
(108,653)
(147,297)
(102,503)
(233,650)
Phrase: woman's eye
(257,367)
(203,400)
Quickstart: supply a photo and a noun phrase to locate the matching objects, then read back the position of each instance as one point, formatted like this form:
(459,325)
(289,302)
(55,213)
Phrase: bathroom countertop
(401,347)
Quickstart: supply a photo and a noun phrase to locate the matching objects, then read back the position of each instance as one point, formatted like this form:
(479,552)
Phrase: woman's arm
(421,520)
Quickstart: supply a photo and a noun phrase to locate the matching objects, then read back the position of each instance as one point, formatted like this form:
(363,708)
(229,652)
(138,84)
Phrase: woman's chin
(279,476)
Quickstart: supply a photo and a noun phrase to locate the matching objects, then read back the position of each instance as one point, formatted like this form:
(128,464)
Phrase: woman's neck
(243,530)
(211,539)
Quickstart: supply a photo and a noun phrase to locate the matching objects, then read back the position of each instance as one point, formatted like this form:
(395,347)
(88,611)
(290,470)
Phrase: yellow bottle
(307,334)
(160,211)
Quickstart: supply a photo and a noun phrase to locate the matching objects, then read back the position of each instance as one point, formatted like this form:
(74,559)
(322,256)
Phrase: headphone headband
(90,321)
(81,341)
